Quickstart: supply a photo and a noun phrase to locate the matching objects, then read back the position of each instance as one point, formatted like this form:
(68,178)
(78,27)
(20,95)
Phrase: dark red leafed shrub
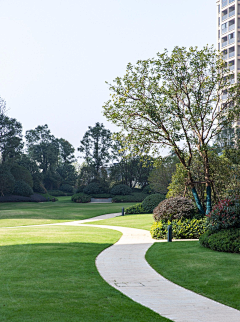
(174,208)
(226,214)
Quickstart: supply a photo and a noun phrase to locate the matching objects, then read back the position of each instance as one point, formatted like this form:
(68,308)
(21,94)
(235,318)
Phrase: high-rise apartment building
(228,34)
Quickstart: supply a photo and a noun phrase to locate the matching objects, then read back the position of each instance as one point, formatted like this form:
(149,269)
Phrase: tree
(10,135)
(66,152)
(175,101)
(43,148)
(96,148)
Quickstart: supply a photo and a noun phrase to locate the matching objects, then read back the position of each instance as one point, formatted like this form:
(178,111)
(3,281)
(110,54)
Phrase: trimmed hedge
(225,240)
(66,188)
(182,229)
(121,189)
(22,189)
(13,198)
(174,208)
(135,209)
(151,202)
(58,193)
(102,195)
(134,197)
(81,198)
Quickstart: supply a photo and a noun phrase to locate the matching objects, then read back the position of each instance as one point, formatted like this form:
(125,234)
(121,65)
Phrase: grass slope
(29,213)
(48,274)
(212,274)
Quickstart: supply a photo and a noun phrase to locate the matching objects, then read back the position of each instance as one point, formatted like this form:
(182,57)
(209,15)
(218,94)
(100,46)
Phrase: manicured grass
(212,274)
(132,221)
(49,274)
(29,213)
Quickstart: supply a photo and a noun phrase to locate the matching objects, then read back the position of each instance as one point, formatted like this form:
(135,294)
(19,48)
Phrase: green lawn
(48,273)
(132,221)
(213,274)
(30,213)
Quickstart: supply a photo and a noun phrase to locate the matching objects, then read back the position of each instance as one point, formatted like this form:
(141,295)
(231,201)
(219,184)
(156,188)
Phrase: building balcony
(230,1)
(231,41)
(232,27)
(224,3)
(232,81)
(224,17)
(225,57)
(224,31)
(231,13)
(231,67)
(224,43)
(232,54)
(224,96)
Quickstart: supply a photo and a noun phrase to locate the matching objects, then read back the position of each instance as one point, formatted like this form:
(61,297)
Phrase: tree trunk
(209,200)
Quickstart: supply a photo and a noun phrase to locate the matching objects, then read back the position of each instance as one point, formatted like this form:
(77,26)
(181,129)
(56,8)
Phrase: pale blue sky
(57,54)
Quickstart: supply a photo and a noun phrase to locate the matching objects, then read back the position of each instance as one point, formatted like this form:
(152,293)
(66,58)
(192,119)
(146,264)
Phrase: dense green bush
(135,209)
(49,197)
(148,190)
(7,182)
(94,188)
(182,229)
(225,240)
(22,189)
(134,197)
(121,190)
(226,214)
(151,202)
(81,197)
(66,188)
(20,173)
(174,208)
(59,193)
(80,188)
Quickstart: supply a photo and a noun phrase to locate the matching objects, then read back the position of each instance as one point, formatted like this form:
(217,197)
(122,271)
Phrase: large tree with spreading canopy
(175,101)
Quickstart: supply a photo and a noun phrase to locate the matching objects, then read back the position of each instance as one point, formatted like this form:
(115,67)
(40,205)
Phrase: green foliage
(66,188)
(135,209)
(81,198)
(150,202)
(67,173)
(225,240)
(7,181)
(161,176)
(134,197)
(59,193)
(148,190)
(222,173)
(174,208)
(121,189)
(22,189)
(21,173)
(182,229)
(96,148)
(224,215)
(94,188)
(10,136)
(101,195)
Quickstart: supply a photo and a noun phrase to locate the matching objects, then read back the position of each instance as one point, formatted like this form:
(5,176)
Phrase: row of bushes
(147,205)
(181,229)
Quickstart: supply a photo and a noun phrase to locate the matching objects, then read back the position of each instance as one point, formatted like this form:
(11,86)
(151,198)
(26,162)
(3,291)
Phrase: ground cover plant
(211,274)
(49,274)
(16,214)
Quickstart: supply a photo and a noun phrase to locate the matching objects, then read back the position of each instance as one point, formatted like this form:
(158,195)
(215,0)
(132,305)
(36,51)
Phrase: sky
(57,54)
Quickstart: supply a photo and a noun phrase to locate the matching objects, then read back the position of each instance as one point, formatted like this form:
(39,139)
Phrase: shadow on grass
(60,282)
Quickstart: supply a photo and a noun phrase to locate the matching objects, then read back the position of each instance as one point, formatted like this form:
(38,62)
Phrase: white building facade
(228,34)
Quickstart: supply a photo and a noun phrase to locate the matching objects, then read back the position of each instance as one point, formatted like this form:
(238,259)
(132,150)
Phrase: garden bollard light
(122,211)
(169,233)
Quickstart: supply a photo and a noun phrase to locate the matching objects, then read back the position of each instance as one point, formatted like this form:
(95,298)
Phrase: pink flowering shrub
(226,214)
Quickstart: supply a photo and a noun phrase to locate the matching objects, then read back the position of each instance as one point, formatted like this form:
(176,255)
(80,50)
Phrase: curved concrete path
(124,267)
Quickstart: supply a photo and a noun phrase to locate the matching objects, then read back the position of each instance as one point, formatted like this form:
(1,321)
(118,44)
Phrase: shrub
(121,190)
(150,202)
(182,229)
(7,182)
(174,208)
(33,198)
(135,209)
(93,188)
(22,189)
(66,188)
(49,197)
(148,190)
(81,197)
(225,240)
(20,173)
(134,197)
(226,214)
(80,188)
(58,193)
